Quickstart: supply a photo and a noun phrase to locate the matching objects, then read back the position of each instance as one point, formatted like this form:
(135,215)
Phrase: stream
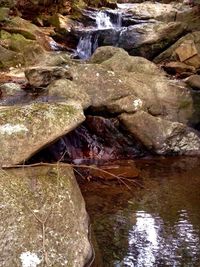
(153,220)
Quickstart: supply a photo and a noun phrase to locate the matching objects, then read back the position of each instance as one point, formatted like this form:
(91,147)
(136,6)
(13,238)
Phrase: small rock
(194,81)
(43,76)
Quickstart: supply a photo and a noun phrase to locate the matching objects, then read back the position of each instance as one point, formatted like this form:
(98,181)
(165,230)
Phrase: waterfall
(103,21)
(89,41)
(84,48)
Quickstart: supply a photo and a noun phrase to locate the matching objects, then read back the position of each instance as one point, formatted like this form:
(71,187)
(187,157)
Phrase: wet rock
(43,213)
(97,139)
(43,76)
(65,89)
(26,129)
(162,136)
(186,49)
(194,81)
(4,12)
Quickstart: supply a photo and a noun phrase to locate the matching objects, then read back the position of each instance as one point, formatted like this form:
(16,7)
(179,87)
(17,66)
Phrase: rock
(30,31)
(10,58)
(127,104)
(43,76)
(7,3)
(194,81)
(162,136)
(65,89)
(149,39)
(104,53)
(43,213)
(26,129)
(186,49)
(123,76)
(63,22)
(176,67)
(10,89)
(175,11)
(4,12)
(19,50)
(30,49)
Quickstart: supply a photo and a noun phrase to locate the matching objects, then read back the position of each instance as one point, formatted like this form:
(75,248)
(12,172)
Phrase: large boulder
(162,136)
(26,129)
(121,76)
(175,11)
(149,39)
(43,218)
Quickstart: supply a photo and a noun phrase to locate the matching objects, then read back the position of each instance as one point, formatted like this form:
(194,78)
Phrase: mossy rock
(4,12)
(45,217)
(24,130)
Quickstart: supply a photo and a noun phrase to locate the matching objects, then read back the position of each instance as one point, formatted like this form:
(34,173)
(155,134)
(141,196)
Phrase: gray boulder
(149,39)
(122,76)
(24,130)
(43,218)
(162,136)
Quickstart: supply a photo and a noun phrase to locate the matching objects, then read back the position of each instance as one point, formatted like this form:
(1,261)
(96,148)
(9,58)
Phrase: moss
(4,35)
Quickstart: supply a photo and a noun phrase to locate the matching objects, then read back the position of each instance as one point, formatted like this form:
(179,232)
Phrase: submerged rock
(43,218)
(162,136)
(26,129)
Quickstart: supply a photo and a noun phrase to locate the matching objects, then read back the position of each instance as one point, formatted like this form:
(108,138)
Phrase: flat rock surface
(26,129)
(43,218)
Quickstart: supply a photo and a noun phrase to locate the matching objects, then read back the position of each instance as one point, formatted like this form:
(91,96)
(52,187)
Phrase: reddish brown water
(153,220)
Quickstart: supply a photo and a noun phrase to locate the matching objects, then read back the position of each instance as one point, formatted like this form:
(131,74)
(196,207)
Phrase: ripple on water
(154,226)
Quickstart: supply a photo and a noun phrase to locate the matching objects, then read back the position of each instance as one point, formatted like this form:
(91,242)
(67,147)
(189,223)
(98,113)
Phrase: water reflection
(152,244)
(158,225)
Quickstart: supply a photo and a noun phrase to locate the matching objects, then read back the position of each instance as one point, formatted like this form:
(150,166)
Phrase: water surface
(154,222)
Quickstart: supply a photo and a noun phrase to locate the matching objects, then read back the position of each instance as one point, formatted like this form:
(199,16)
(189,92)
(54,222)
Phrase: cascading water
(103,21)
(88,42)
